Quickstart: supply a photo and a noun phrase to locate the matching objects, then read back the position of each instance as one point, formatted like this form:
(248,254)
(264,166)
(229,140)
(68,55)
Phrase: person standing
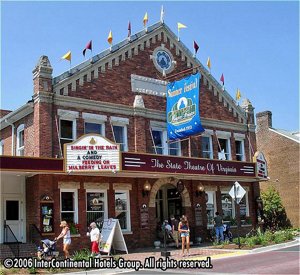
(65,234)
(218,223)
(174,224)
(95,236)
(184,230)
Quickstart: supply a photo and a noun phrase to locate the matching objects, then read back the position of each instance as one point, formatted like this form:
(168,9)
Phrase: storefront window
(69,206)
(244,207)
(227,207)
(96,207)
(122,209)
(210,207)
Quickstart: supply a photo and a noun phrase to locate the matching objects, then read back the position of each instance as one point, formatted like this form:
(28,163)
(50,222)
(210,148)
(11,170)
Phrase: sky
(254,44)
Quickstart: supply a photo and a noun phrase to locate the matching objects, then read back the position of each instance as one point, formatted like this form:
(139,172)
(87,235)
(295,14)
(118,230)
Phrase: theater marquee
(92,153)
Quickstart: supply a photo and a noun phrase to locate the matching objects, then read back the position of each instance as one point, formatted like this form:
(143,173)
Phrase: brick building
(121,95)
(281,149)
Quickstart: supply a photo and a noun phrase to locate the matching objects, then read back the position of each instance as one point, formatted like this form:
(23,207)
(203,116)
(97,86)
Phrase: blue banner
(183,118)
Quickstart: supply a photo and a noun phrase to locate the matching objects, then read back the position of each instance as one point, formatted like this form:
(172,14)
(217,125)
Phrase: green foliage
(32,270)
(83,254)
(274,212)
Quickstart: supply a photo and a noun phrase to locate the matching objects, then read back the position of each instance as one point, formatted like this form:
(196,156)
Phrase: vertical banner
(183,118)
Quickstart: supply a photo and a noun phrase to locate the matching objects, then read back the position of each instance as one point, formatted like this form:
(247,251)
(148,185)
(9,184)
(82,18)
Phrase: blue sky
(254,44)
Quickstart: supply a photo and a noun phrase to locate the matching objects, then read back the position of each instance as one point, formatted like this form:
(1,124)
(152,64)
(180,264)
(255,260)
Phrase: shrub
(83,254)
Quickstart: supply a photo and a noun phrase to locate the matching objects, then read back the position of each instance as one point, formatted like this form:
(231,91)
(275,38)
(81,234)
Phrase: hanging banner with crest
(183,117)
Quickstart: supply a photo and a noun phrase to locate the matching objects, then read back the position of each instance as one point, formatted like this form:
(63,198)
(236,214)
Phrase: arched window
(20,140)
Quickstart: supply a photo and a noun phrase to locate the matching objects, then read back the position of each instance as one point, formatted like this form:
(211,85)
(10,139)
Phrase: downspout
(12,136)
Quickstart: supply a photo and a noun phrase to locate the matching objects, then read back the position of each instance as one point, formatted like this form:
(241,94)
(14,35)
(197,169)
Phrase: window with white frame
(240,150)
(174,148)
(206,147)
(1,147)
(20,140)
(96,207)
(94,124)
(210,197)
(160,141)
(122,209)
(67,126)
(120,132)
(69,205)
(227,207)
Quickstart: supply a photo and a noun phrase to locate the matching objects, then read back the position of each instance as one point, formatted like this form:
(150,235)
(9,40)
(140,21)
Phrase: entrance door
(168,202)
(12,217)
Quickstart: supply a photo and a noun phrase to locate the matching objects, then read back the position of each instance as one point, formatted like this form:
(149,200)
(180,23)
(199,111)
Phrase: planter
(157,244)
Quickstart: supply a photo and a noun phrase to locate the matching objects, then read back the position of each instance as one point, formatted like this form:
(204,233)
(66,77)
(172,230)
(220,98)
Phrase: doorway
(168,202)
(13,218)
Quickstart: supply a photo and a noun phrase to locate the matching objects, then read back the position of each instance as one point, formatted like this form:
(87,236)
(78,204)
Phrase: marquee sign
(196,166)
(92,153)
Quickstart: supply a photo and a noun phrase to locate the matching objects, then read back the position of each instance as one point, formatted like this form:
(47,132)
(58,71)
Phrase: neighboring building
(121,95)
(281,150)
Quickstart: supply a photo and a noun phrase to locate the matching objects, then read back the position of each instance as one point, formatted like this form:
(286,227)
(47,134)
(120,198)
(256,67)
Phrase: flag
(145,20)
(222,79)
(181,26)
(87,47)
(129,29)
(67,56)
(238,94)
(110,38)
(208,63)
(162,13)
(196,47)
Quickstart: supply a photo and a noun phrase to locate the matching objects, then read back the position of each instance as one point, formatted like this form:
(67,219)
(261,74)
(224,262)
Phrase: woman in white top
(95,238)
(65,234)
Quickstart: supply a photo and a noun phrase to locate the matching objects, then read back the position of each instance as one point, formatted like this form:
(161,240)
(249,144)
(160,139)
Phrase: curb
(275,246)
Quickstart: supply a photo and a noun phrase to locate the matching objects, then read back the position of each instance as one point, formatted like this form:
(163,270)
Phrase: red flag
(87,47)
(129,29)
(196,47)
(222,79)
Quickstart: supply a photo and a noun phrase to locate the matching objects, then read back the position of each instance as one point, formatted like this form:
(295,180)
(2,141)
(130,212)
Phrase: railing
(11,240)
(35,234)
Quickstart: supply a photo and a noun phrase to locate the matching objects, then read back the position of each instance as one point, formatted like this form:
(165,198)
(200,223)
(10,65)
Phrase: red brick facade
(282,155)
(113,88)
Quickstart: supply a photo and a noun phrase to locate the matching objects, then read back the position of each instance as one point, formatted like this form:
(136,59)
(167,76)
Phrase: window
(120,133)
(224,145)
(206,147)
(244,210)
(94,123)
(174,148)
(69,205)
(92,128)
(161,146)
(210,207)
(227,207)
(122,209)
(96,207)
(20,140)
(160,142)
(1,147)
(239,149)
(67,132)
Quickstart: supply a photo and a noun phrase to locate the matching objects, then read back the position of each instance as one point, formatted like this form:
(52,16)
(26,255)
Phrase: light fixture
(199,190)
(146,189)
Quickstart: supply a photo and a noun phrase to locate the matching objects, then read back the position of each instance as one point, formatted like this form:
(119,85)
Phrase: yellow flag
(110,38)
(238,94)
(67,56)
(145,20)
(208,63)
(181,26)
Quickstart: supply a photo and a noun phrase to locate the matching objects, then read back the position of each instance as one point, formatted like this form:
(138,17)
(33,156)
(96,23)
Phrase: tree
(274,212)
